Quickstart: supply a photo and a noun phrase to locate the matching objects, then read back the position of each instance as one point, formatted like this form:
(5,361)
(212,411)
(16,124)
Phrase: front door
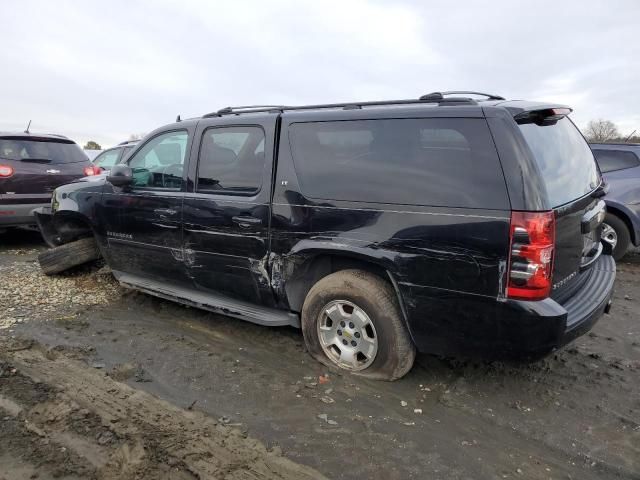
(143,221)
(226,215)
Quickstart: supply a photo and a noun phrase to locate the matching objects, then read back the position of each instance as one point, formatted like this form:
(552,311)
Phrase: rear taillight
(92,170)
(6,171)
(531,260)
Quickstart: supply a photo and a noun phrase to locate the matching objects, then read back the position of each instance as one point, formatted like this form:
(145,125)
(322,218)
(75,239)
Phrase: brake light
(92,170)
(532,250)
(6,171)
(546,116)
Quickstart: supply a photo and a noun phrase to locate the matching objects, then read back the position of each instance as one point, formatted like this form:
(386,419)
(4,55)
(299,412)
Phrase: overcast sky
(104,70)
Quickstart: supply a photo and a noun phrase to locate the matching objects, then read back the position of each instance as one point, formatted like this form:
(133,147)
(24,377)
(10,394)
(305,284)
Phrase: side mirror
(120,175)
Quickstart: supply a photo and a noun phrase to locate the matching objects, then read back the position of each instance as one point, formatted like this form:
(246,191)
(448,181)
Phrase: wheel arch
(70,226)
(620,212)
(305,268)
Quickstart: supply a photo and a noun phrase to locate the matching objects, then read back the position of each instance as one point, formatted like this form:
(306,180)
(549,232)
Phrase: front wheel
(616,234)
(351,319)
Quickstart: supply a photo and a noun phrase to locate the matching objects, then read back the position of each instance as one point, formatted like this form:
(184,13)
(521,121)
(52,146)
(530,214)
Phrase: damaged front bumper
(44,220)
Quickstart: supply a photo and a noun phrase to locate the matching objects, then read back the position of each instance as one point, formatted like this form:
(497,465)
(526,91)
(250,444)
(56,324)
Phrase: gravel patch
(28,294)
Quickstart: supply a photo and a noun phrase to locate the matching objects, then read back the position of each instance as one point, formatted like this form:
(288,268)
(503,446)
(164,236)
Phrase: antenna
(27,130)
(630,135)
(178,119)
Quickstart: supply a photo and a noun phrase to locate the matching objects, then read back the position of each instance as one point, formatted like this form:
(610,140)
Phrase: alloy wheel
(347,335)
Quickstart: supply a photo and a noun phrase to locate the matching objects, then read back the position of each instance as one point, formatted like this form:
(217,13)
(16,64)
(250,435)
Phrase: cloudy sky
(103,70)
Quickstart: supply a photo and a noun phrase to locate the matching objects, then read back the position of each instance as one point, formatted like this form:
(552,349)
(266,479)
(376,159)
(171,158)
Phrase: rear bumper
(18,214)
(590,302)
(451,323)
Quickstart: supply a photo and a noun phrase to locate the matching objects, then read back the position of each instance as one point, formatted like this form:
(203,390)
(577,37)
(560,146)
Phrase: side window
(160,163)
(107,159)
(611,160)
(431,161)
(231,160)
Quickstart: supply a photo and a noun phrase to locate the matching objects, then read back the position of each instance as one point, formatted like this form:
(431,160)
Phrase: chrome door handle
(165,211)
(246,222)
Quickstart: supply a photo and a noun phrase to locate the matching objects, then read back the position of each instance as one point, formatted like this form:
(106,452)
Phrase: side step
(211,301)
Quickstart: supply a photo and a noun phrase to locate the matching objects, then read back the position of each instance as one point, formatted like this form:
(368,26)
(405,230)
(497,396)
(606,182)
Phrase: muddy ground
(101,382)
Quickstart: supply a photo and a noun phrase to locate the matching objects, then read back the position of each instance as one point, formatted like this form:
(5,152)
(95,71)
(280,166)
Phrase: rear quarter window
(612,160)
(433,162)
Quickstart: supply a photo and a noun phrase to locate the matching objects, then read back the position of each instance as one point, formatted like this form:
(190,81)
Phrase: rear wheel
(616,234)
(351,319)
(59,259)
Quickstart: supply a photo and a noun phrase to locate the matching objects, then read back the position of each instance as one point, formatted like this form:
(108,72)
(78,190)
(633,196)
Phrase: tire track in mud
(64,419)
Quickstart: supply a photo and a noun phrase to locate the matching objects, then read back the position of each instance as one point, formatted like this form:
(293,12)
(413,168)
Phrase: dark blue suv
(620,166)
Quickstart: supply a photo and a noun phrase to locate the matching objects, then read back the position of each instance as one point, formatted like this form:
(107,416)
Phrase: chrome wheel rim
(347,335)
(609,235)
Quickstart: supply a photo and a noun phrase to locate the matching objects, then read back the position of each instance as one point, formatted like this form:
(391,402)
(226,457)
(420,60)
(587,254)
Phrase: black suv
(31,167)
(447,224)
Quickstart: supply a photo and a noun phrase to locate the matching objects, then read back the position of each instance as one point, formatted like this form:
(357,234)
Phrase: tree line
(605,131)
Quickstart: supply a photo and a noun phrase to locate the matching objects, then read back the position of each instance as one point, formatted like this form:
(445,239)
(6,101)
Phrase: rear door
(227,212)
(571,178)
(40,164)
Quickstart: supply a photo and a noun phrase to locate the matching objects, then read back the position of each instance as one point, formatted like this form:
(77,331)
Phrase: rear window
(41,151)
(612,160)
(435,161)
(565,160)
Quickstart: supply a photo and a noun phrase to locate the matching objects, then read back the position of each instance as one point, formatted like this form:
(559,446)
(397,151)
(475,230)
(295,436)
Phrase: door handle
(246,222)
(165,211)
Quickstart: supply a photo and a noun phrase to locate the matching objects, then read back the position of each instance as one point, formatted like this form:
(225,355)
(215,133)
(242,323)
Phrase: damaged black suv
(457,224)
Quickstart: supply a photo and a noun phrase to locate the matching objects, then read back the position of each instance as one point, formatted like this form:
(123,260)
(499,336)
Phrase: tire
(361,293)
(620,235)
(59,259)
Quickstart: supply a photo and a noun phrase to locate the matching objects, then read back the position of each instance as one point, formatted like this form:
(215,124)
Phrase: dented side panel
(431,252)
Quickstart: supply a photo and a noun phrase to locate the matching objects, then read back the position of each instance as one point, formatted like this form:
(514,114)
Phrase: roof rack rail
(434,95)
(249,108)
(431,98)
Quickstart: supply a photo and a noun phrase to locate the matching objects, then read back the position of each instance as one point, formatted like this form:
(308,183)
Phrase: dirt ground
(101,382)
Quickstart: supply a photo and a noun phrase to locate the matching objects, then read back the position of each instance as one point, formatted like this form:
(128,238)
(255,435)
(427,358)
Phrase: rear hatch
(35,166)
(573,187)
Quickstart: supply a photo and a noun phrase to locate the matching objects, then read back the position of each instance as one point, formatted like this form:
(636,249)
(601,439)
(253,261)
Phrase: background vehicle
(109,157)
(453,225)
(91,154)
(31,167)
(620,166)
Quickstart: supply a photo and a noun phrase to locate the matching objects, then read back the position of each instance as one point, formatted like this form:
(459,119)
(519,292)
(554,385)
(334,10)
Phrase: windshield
(41,150)
(564,158)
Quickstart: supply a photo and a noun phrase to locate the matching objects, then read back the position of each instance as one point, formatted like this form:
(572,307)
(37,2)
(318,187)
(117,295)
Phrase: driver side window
(160,163)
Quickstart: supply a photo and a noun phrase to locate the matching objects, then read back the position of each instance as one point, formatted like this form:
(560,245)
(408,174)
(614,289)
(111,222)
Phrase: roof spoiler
(543,116)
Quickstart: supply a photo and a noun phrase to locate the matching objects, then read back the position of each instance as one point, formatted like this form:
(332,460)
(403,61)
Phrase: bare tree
(601,131)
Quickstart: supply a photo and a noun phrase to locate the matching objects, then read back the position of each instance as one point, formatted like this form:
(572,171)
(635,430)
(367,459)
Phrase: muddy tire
(616,233)
(351,319)
(59,259)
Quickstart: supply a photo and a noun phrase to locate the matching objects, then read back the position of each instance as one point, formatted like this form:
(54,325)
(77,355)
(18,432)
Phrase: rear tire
(377,328)
(59,259)
(619,235)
